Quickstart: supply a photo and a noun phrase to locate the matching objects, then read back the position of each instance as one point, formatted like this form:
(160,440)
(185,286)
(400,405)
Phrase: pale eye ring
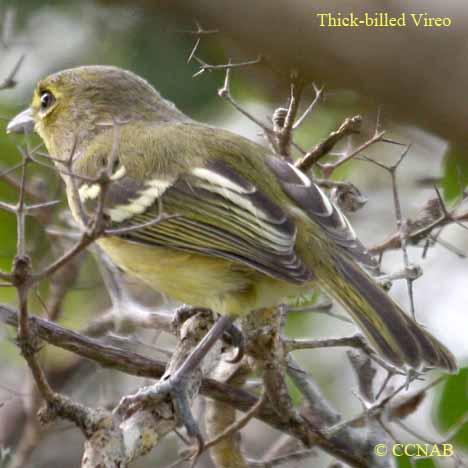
(47,99)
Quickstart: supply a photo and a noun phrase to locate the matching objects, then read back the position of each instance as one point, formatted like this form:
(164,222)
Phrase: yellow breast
(199,280)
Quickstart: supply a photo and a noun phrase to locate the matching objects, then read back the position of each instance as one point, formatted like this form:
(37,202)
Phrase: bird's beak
(22,123)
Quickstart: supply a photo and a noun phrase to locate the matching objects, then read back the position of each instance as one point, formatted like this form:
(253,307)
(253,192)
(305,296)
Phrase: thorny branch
(204,67)
(433,216)
(349,126)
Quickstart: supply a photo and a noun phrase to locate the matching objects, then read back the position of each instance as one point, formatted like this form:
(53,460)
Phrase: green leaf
(418,462)
(453,406)
(424,463)
(403,462)
(455,178)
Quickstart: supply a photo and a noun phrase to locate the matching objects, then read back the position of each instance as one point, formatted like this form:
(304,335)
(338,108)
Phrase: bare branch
(136,364)
(125,230)
(225,93)
(420,228)
(206,67)
(218,416)
(318,97)
(10,81)
(86,239)
(200,31)
(329,168)
(349,126)
(354,341)
(284,132)
(372,411)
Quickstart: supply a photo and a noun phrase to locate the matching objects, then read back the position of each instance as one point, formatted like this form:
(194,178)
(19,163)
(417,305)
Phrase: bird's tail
(393,333)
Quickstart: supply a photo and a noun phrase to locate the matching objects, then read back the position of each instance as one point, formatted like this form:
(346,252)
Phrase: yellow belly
(223,286)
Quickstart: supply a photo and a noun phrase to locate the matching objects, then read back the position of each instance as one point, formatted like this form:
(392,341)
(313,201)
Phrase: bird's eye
(47,99)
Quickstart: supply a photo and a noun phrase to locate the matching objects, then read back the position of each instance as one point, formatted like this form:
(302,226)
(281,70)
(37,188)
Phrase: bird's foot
(176,389)
(233,336)
(183,313)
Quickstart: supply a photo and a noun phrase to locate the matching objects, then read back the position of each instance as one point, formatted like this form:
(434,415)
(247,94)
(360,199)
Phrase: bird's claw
(147,397)
(143,398)
(184,312)
(184,414)
(234,337)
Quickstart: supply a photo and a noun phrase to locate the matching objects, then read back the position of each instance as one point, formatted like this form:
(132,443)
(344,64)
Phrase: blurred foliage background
(152,42)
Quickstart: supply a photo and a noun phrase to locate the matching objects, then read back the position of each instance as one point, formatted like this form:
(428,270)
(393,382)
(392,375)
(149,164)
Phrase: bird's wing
(311,199)
(219,213)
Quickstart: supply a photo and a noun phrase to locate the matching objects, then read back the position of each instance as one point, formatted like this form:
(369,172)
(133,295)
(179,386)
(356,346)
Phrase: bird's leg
(199,352)
(176,384)
(232,336)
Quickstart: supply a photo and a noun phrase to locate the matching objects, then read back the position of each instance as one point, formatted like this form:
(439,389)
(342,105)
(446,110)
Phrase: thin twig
(284,133)
(230,430)
(306,114)
(200,31)
(402,224)
(10,81)
(126,230)
(349,126)
(370,412)
(240,423)
(354,341)
(225,93)
(206,67)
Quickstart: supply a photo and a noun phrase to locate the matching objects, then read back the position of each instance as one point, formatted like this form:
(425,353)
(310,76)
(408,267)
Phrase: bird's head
(71,106)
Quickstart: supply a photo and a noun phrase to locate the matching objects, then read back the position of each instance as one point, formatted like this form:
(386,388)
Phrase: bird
(245,228)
